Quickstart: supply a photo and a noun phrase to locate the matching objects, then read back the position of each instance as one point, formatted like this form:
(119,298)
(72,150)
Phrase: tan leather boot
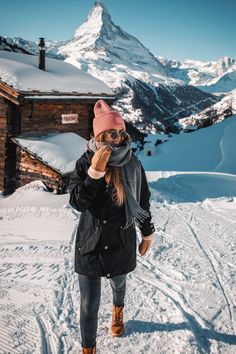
(89,350)
(117,325)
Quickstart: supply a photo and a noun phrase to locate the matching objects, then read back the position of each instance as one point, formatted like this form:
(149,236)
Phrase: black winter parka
(103,247)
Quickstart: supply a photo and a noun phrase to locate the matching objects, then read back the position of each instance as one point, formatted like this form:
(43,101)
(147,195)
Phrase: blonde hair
(113,176)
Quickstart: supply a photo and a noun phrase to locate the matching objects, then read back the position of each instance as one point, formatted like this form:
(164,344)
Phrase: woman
(110,189)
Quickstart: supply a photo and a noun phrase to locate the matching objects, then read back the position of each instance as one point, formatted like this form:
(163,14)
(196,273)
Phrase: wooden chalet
(49,158)
(36,99)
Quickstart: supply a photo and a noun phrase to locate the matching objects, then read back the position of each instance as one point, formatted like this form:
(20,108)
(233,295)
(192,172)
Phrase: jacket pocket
(91,242)
(128,237)
(88,233)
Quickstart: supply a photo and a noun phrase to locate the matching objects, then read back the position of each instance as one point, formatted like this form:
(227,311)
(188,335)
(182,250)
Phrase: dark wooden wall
(3,128)
(12,129)
(44,116)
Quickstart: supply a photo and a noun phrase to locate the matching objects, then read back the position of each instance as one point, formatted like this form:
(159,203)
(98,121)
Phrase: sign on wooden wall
(69,118)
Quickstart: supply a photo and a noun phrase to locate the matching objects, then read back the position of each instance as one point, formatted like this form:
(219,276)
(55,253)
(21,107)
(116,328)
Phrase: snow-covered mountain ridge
(213,76)
(20,45)
(147,95)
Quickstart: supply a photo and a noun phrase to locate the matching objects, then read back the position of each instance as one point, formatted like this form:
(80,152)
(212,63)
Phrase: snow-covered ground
(180,299)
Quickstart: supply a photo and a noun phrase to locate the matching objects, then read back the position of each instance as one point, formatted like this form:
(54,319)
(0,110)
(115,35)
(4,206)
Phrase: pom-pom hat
(105,118)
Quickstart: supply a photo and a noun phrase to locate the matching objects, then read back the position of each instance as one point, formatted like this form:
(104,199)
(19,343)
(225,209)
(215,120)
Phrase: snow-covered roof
(21,72)
(65,97)
(59,150)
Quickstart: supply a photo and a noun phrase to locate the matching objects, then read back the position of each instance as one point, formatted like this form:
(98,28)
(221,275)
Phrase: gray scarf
(131,178)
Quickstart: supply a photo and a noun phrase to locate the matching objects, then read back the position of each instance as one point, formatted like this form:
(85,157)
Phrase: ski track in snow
(213,265)
(180,299)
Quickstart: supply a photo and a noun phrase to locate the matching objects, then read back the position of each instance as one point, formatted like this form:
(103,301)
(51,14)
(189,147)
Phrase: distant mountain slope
(222,84)
(213,76)
(218,112)
(20,45)
(9,45)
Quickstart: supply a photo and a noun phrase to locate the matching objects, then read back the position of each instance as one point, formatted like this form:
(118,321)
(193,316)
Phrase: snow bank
(193,187)
(207,149)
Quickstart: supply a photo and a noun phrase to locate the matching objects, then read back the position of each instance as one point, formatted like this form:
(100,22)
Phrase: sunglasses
(114,134)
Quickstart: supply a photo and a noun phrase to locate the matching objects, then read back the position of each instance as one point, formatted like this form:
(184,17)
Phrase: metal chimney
(41,54)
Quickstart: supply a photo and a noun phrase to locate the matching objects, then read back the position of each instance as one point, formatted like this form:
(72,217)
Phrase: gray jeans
(90,295)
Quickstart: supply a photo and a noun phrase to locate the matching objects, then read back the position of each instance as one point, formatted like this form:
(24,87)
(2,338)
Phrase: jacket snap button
(108,275)
(106,247)
(104,221)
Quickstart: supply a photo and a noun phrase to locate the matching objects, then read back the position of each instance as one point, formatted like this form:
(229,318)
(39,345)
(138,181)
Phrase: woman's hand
(144,246)
(101,158)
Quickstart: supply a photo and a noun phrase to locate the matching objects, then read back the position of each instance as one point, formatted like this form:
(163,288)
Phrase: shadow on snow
(202,335)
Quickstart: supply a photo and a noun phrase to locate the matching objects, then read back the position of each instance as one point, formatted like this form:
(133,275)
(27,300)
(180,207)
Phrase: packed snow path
(180,299)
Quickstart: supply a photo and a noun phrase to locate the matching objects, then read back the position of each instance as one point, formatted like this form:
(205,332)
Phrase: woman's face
(115,136)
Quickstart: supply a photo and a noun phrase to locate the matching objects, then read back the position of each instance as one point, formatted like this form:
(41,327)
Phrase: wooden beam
(9,93)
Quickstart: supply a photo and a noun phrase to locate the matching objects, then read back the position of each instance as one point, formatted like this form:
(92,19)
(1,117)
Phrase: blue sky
(178,29)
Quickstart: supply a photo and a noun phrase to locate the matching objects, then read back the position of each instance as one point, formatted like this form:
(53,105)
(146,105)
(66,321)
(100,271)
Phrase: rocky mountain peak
(98,38)
(99,29)
(224,64)
(97,21)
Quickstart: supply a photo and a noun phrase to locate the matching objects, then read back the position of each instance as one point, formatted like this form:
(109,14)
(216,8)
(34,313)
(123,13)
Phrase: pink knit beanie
(105,118)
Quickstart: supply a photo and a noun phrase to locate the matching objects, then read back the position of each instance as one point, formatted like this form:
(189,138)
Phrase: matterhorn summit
(98,37)
(146,94)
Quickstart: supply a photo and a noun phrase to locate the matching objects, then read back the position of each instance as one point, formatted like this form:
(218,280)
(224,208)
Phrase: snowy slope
(222,84)
(214,76)
(182,296)
(208,149)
